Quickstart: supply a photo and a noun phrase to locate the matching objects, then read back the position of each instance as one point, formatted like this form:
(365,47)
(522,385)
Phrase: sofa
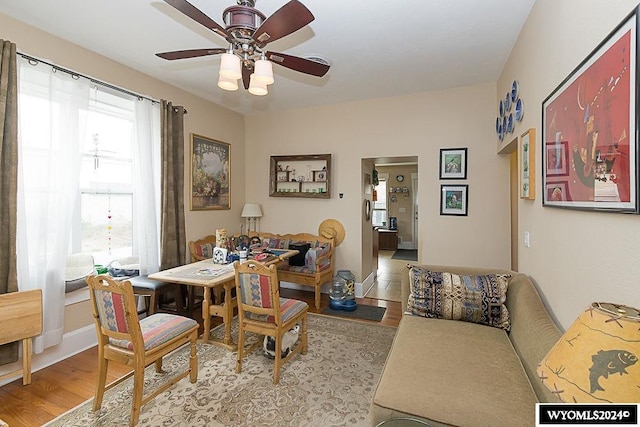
(449,372)
(318,260)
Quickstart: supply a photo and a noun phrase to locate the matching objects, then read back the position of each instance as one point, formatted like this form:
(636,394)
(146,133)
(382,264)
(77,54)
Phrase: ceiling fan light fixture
(230,67)
(256,87)
(227,84)
(263,71)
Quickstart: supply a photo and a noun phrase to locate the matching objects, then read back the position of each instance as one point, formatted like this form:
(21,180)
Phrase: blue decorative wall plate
(519,109)
(515,89)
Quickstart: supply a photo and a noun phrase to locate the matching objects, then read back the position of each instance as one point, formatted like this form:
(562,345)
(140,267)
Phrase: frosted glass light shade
(227,84)
(230,66)
(264,71)
(256,87)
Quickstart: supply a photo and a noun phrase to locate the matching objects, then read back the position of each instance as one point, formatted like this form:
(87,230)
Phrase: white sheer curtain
(48,175)
(146,186)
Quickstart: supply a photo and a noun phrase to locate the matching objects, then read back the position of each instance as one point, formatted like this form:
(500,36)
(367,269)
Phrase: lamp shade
(596,360)
(227,84)
(264,71)
(256,87)
(230,66)
(251,210)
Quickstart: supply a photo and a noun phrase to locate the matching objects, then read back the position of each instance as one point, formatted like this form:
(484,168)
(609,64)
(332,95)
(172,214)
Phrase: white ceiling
(377,48)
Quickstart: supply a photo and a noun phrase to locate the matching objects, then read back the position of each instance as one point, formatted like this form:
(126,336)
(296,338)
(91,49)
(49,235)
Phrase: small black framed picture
(453,163)
(454,199)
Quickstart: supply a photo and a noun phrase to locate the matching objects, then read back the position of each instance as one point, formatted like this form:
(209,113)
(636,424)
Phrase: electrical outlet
(527,239)
(402,210)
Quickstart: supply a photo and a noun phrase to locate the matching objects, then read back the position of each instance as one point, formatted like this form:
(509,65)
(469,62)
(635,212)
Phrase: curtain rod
(91,79)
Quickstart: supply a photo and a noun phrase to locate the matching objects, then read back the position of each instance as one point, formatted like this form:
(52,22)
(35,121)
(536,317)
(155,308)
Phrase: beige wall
(413,125)
(571,267)
(575,257)
(204,118)
(369,265)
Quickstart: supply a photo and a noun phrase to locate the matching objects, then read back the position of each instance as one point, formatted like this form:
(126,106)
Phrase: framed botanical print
(454,199)
(527,165)
(453,163)
(210,173)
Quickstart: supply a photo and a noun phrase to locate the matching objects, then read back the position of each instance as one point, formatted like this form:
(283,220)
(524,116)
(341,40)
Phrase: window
(103,214)
(103,225)
(379,213)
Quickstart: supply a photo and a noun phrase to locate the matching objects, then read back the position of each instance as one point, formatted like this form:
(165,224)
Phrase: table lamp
(596,360)
(251,211)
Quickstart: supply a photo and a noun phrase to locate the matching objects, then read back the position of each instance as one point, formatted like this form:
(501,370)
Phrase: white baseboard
(325,288)
(72,343)
(406,245)
(358,287)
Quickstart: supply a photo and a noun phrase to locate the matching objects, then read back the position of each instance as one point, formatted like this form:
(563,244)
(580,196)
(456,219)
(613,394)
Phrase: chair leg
(317,297)
(182,300)
(304,334)
(103,365)
(240,349)
(278,362)
(158,364)
(136,403)
(193,359)
(153,303)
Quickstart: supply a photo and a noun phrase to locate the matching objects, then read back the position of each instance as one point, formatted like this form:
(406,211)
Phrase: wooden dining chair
(125,339)
(200,250)
(262,311)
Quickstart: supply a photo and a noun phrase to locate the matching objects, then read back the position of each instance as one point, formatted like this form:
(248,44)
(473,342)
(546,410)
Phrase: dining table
(208,275)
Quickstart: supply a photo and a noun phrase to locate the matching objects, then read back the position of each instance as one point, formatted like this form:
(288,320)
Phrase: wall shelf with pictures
(307,176)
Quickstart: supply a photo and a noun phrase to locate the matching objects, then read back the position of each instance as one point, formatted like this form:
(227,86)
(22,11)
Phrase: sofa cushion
(471,376)
(444,295)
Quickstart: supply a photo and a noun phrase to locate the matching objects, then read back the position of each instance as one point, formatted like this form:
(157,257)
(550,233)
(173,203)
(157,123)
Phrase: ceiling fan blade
(246,76)
(191,53)
(296,63)
(197,15)
(284,21)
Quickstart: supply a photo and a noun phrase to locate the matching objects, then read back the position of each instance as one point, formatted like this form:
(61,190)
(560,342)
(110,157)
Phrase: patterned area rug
(332,385)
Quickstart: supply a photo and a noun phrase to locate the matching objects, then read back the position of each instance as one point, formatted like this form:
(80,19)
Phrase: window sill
(76,296)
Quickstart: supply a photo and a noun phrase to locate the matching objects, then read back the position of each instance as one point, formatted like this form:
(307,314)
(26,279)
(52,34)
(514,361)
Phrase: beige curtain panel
(173,239)
(8,179)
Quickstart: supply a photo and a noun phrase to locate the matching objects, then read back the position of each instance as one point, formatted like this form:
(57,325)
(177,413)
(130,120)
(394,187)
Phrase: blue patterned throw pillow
(444,295)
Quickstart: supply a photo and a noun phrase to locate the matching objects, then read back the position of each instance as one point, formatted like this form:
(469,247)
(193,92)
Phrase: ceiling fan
(248,31)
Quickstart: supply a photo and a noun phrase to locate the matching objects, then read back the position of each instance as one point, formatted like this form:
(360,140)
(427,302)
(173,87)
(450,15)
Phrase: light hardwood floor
(66,384)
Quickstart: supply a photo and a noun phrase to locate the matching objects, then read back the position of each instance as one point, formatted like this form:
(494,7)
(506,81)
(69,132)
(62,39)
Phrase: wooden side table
(21,314)
(387,239)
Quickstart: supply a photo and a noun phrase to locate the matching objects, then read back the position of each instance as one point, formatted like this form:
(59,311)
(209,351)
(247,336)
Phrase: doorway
(396,207)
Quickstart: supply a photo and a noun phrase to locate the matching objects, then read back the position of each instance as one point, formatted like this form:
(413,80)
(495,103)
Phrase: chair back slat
(202,249)
(258,290)
(112,311)
(114,308)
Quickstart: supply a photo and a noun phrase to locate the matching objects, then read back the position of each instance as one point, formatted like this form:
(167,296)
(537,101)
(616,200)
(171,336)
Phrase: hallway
(388,282)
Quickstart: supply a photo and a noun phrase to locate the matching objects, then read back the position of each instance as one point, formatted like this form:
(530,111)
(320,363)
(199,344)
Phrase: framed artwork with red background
(590,148)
